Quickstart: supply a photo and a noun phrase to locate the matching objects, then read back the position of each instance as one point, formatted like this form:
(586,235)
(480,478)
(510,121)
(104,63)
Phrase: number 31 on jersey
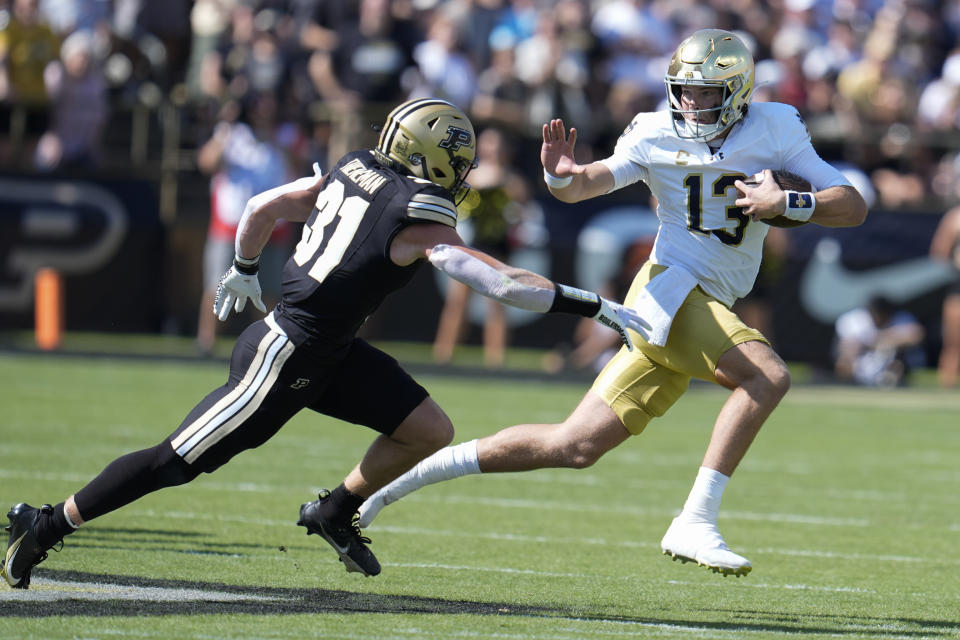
(331,205)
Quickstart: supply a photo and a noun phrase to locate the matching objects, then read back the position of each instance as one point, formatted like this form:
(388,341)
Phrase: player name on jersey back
(367,179)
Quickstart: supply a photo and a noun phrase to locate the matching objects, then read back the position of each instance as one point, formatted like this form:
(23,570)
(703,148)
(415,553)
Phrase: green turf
(847,506)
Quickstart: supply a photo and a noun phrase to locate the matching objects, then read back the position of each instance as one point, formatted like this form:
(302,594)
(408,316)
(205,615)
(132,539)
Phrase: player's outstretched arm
(527,290)
(443,247)
(567,180)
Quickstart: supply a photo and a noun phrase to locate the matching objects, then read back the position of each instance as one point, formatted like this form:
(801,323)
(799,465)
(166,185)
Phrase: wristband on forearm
(246,266)
(555,182)
(800,205)
(576,301)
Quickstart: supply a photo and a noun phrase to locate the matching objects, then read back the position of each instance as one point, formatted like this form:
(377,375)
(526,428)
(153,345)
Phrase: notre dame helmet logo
(456,138)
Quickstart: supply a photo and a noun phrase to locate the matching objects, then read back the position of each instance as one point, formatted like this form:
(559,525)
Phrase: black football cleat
(23,550)
(344,537)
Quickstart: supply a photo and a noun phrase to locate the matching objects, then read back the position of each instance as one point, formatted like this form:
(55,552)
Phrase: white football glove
(233,291)
(620,318)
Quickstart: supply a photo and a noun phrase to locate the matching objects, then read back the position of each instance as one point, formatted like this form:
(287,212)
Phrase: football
(788,182)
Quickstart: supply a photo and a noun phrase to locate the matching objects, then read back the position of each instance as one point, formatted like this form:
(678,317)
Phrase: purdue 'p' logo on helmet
(433,140)
(710,58)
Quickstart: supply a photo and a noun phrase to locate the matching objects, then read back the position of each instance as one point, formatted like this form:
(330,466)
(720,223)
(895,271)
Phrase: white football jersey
(701,229)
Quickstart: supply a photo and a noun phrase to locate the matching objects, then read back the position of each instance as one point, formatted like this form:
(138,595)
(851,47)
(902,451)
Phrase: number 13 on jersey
(330,205)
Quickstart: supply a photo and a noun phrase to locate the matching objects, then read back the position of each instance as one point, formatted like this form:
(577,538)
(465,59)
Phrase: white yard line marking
(591,576)
(870,557)
(552,506)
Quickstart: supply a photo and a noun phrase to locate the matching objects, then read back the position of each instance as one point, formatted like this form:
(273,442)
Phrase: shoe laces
(355,525)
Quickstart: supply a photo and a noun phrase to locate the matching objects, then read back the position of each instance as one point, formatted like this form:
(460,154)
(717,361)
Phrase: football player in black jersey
(369,225)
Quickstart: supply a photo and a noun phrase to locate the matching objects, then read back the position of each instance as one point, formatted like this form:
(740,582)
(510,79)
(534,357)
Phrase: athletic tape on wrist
(555,182)
(576,301)
(800,205)
(246,266)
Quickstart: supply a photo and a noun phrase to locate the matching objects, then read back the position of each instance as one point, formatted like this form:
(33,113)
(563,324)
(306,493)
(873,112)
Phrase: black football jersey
(341,270)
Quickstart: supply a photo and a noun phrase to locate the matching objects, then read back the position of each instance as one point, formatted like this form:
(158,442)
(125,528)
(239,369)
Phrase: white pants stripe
(240,403)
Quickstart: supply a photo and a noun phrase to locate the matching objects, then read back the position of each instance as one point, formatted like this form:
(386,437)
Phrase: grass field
(847,505)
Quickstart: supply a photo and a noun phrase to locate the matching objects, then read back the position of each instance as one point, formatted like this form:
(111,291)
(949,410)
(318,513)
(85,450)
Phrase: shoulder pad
(432,204)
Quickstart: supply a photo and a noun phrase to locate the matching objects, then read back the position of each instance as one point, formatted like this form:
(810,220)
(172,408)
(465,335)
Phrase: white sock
(703,503)
(446,464)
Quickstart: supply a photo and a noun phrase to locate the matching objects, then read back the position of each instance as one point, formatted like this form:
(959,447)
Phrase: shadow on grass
(142,540)
(261,600)
(254,600)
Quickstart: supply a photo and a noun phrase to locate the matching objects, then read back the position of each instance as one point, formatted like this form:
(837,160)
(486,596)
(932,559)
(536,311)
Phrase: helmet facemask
(458,166)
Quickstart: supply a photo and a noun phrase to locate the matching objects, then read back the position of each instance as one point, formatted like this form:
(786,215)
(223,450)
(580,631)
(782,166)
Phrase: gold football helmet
(710,58)
(432,139)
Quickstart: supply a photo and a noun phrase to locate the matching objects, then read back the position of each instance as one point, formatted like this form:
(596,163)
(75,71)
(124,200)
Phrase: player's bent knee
(428,428)
(780,381)
(786,381)
(439,435)
(170,470)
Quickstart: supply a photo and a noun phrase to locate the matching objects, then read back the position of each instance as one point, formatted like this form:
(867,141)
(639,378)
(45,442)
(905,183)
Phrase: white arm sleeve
(259,200)
(484,279)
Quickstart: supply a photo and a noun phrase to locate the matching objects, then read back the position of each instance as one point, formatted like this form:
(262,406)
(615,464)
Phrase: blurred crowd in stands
(877,80)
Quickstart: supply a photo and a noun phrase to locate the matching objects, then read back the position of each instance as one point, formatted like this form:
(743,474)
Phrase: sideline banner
(830,271)
(104,237)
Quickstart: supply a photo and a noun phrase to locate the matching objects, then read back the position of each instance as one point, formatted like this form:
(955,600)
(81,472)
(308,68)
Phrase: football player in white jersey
(695,156)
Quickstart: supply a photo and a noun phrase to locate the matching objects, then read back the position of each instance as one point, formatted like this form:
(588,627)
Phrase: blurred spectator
(368,57)
(244,160)
(80,108)
(209,20)
(361,63)
(247,61)
(501,97)
(877,345)
(445,70)
(898,189)
(829,57)
(490,219)
(946,247)
(67,16)
(869,87)
(163,33)
(476,24)
(939,106)
(516,22)
(556,78)
(27,46)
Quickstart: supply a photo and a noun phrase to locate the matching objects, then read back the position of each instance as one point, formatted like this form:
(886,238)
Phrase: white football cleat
(701,542)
